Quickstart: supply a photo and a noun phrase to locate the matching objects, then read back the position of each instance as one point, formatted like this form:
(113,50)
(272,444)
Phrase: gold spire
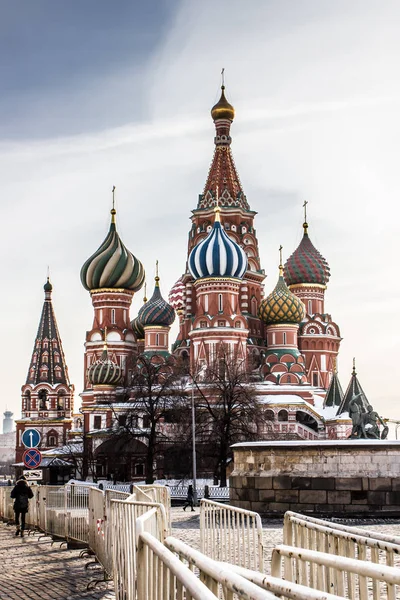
(217,212)
(157,279)
(305,224)
(223,110)
(354,367)
(113,211)
(280,261)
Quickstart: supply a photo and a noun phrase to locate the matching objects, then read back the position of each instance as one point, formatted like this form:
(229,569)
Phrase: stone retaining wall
(325,478)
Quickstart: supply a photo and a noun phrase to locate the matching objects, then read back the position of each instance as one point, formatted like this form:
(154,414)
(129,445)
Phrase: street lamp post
(194,447)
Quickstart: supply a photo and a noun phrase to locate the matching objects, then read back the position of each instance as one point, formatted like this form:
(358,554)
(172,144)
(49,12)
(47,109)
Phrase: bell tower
(47,395)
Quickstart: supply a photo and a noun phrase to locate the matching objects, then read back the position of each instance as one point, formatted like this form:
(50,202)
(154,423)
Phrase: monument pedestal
(328,478)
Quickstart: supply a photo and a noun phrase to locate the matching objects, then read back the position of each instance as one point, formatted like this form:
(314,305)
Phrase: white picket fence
(230,534)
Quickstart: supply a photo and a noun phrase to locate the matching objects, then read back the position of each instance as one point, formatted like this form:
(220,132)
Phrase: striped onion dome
(137,328)
(281,306)
(112,265)
(104,371)
(176,295)
(306,264)
(156,311)
(217,255)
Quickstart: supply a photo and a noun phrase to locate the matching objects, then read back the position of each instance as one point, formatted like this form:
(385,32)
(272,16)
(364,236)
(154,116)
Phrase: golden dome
(223,110)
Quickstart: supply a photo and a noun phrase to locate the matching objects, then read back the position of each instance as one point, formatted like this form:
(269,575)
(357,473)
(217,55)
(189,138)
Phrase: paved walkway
(34,569)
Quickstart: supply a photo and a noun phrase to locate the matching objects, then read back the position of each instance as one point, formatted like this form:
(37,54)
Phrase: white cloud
(317,118)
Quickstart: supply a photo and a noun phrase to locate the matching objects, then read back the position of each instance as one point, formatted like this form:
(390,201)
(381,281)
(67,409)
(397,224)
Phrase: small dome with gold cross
(281,306)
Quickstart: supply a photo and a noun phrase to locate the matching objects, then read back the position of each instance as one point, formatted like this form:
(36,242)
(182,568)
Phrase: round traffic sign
(32,458)
(30,438)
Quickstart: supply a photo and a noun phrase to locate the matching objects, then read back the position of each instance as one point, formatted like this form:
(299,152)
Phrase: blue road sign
(32,458)
(30,438)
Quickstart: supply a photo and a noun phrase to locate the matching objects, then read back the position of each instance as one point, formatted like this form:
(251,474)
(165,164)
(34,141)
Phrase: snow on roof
(316,443)
(282,399)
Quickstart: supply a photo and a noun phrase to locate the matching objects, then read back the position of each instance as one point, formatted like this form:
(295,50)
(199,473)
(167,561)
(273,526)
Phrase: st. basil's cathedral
(286,340)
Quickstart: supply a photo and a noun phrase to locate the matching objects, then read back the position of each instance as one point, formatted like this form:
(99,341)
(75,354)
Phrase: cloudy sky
(95,94)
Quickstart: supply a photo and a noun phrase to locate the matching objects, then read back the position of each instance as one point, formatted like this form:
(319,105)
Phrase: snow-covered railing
(348,577)
(179,492)
(231,534)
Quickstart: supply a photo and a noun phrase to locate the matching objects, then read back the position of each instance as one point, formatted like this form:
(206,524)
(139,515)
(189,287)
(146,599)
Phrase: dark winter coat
(21,494)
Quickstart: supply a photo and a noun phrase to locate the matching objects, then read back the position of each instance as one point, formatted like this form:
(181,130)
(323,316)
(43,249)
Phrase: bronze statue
(365,423)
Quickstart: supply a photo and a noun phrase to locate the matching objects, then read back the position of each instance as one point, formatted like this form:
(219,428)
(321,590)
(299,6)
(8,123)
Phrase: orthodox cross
(222,78)
(305,210)
(113,194)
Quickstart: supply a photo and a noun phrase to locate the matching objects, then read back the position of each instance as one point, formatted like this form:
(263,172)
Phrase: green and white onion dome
(137,328)
(112,265)
(104,371)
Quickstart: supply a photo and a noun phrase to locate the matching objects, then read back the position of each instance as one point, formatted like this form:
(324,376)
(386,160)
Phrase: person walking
(189,498)
(21,494)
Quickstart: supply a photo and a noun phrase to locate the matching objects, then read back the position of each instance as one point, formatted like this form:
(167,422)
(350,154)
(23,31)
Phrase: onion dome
(156,311)
(281,306)
(137,328)
(223,110)
(47,286)
(176,295)
(306,264)
(104,371)
(217,255)
(112,265)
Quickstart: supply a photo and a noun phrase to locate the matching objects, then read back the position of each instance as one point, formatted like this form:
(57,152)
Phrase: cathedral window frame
(220,302)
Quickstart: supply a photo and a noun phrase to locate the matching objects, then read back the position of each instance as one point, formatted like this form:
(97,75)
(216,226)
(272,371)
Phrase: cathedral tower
(223,189)
(307,274)
(112,275)
(282,311)
(47,396)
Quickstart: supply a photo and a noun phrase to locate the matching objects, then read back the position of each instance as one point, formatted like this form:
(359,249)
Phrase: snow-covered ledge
(356,477)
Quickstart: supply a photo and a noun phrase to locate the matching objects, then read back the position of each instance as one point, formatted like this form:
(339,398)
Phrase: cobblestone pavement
(33,569)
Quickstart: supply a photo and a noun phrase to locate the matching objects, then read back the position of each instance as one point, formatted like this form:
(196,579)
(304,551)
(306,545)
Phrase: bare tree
(156,409)
(227,408)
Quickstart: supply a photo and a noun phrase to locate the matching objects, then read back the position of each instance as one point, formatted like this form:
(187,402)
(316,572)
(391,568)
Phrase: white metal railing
(377,535)
(323,535)
(283,588)
(124,518)
(217,576)
(77,513)
(347,577)
(55,511)
(231,534)
(161,575)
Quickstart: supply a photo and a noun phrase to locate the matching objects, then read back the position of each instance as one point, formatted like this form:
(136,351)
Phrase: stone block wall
(317,478)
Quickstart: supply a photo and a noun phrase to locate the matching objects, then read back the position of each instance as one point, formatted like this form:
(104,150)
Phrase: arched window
(283,415)
(269,415)
(254,306)
(309,307)
(52,437)
(57,372)
(43,401)
(56,357)
(220,303)
(45,357)
(284,338)
(61,400)
(157,339)
(27,400)
(113,316)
